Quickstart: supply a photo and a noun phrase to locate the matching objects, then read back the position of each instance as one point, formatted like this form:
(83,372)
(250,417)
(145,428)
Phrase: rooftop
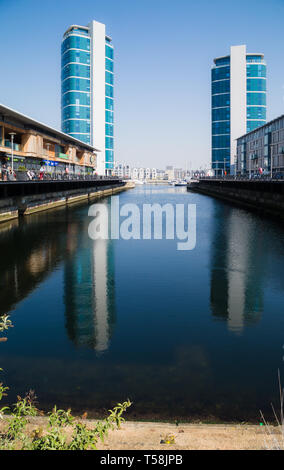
(6,112)
(86,28)
(75,26)
(247,54)
(261,127)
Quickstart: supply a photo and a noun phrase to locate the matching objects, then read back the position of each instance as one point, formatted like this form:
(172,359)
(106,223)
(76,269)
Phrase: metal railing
(25,176)
(256,177)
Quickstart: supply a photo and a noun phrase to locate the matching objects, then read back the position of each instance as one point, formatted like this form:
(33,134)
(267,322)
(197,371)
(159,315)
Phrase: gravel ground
(163,436)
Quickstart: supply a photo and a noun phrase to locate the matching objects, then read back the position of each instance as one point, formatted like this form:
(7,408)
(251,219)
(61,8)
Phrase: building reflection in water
(237,268)
(29,253)
(89,290)
(33,248)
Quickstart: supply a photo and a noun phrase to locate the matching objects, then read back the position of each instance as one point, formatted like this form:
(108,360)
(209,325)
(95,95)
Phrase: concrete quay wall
(262,196)
(16,206)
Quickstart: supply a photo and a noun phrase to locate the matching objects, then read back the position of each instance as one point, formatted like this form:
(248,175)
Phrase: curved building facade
(238,103)
(87,97)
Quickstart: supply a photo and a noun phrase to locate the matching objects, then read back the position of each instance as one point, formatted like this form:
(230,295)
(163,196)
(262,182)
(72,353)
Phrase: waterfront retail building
(261,151)
(27,144)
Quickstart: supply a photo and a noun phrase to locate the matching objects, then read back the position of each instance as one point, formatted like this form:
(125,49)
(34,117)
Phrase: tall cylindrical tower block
(87,97)
(238,103)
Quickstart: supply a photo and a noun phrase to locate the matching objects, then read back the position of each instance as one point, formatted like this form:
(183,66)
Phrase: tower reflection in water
(29,253)
(237,269)
(89,290)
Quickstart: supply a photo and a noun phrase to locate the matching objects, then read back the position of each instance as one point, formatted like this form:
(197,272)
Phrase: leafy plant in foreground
(21,411)
(5,324)
(3,393)
(60,418)
(82,437)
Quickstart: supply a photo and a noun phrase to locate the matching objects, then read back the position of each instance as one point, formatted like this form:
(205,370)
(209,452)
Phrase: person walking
(30,174)
(4,172)
(41,173)
(11,176)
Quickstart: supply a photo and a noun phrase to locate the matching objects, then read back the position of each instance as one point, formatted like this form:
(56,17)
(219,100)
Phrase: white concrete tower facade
(98,34)
(238,92)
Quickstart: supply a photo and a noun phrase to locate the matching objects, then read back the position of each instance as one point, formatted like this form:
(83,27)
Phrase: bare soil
(163,436)
(148,436)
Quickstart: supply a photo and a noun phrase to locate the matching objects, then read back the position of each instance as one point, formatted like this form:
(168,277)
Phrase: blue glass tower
(238,103)
(87,78)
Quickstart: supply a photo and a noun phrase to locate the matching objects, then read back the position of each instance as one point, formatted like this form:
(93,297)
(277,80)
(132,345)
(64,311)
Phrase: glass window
(73,112)
(81,57)
(222,141)
(109,65)
(109,156)
(220,155)
(109,117)
(223,61)
(109,104)
(254,58)
(109,142)
(109,91)
(80,30)
(254,70)
(221,127)
(221,114)
(76,97)
(83,137)
(109,52)
(220,73)
(252,125)
(73,84)
(109,78)
(255,99)
(220,100)
(256,84)
(221,87)
(75,42)
(109,130)
(77,127)
(256,112)
(59,148)
(75,70)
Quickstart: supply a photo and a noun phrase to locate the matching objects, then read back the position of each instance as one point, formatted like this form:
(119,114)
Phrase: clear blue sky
(164,51)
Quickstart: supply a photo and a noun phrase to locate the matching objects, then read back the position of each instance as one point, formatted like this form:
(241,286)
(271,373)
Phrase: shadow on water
(185,335)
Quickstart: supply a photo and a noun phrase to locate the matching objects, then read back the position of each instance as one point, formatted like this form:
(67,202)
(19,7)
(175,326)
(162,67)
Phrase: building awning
(6,112)
(15,157)
(50,163)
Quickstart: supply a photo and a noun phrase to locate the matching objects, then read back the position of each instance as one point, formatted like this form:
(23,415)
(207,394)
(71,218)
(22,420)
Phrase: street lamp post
(47,147)
(12,134)
(236,166)
(271,161)
(249,166)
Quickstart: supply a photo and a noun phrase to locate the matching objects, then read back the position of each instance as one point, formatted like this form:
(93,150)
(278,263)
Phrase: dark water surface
(183,334)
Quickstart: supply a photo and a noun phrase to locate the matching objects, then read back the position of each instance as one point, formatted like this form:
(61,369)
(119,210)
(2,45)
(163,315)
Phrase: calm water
(190,335)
